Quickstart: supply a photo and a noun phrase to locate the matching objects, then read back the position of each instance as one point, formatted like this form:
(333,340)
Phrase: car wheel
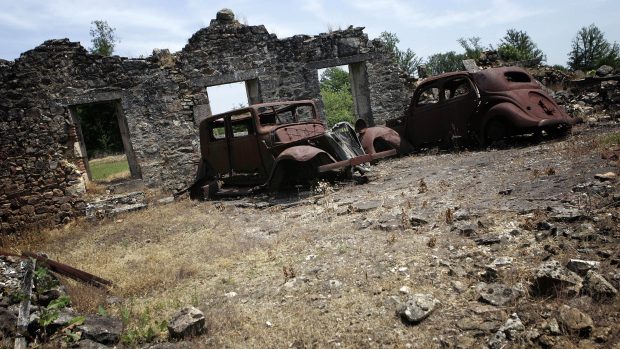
(559,132)
(495,132)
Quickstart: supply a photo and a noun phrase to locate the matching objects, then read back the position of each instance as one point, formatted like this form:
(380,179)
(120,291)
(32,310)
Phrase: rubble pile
(51,317)
(594,99)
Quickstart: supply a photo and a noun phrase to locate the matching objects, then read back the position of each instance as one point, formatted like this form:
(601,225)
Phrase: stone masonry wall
(162,98)
(40,179)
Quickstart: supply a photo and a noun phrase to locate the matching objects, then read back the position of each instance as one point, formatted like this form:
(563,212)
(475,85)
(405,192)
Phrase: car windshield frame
(285,114)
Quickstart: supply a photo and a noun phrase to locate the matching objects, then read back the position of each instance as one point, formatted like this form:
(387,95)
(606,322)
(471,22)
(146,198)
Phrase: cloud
(17,22)
(415,14)
(315,8)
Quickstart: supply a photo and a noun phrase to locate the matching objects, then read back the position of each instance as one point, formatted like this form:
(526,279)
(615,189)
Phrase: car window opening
(456,88)
(286,115)
(429,96)
(514,76)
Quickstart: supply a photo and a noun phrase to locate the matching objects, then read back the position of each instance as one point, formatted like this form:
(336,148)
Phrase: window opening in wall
(104,142)
(223,98)
(336,94)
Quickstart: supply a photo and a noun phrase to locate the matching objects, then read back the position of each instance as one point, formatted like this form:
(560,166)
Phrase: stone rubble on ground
(598,287)
(552,279)
(187,322)
(417,307)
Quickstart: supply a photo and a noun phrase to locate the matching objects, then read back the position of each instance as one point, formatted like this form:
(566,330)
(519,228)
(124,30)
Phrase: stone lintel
(334,62)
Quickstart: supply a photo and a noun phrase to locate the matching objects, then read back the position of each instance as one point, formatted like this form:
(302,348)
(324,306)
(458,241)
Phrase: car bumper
(551,123)
(358,160)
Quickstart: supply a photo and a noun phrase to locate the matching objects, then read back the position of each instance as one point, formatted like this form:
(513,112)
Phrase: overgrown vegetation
(337,97)
(472,47)
(44,281)
(407,60)
(590,50)
(100,129)
(103,38)
(517,45)
(445,62)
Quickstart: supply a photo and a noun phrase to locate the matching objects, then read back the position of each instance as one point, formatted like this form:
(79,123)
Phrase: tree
(103,38)
(407,60)
(445,62)
(335,79)
(471,46)
(590,50)
(517,45)
(337,97)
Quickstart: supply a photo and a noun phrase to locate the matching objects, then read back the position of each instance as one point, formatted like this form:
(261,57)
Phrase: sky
(426,27)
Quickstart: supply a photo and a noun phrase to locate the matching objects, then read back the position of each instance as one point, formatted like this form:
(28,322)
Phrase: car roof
(490,79)
(259,105)
(254,107)
(495,79)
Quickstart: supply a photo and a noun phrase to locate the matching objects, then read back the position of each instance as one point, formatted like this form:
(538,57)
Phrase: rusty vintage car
(484,107)
(274,145)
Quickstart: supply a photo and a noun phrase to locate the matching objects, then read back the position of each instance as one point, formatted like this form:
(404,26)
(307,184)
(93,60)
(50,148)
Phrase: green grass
(610,139)
(107,169)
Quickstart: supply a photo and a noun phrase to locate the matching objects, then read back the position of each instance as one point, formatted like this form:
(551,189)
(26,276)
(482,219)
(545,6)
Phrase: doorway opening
(345,94)
(106,150)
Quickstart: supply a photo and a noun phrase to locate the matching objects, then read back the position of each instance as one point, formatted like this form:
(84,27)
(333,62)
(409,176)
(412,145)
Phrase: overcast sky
(426,27)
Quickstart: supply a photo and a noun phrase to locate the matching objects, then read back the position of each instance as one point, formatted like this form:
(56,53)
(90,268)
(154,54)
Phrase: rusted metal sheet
(269,145)
(482,106)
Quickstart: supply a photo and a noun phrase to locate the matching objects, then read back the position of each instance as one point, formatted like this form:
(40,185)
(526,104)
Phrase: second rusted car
(272,145)
(484,106)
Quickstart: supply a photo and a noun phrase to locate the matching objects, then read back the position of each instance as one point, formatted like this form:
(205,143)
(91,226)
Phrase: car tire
(495,132)
(558,133)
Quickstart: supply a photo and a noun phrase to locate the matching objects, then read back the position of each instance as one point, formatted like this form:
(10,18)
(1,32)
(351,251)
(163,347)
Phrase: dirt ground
(329,268)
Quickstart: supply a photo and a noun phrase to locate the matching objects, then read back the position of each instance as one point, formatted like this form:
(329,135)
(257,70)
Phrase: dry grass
(194,253)
(280,261)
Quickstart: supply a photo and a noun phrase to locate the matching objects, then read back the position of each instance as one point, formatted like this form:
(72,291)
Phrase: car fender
(301,154)
(510,113)
(388,136)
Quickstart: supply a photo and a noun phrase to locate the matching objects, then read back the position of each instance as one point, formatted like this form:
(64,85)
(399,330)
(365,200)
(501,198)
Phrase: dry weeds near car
(329,268)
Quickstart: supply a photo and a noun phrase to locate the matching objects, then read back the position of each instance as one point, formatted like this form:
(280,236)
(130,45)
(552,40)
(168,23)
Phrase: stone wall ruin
(160,100)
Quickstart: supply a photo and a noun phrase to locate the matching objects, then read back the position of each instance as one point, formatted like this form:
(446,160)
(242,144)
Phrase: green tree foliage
(445,62)
(335,79)
(100,129)
(337,97)
(472,47)
(103,38)
(590,50)
(517,45)
(407,60)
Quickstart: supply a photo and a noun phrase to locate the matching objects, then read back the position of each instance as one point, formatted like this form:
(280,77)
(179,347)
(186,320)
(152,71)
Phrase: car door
(245,157)
(423,122)
(458,105)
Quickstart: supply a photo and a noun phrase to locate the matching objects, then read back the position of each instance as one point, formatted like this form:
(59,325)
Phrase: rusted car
(485,107)
(274,145)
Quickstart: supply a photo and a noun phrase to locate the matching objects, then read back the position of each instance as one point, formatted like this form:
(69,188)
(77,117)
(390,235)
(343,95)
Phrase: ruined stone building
(159,101)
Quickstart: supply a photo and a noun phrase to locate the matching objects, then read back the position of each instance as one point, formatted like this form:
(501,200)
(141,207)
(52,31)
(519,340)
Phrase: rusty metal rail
(358,160)
(63,269)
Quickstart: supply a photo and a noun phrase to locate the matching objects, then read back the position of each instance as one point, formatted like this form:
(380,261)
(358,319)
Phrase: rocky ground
(512,247)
